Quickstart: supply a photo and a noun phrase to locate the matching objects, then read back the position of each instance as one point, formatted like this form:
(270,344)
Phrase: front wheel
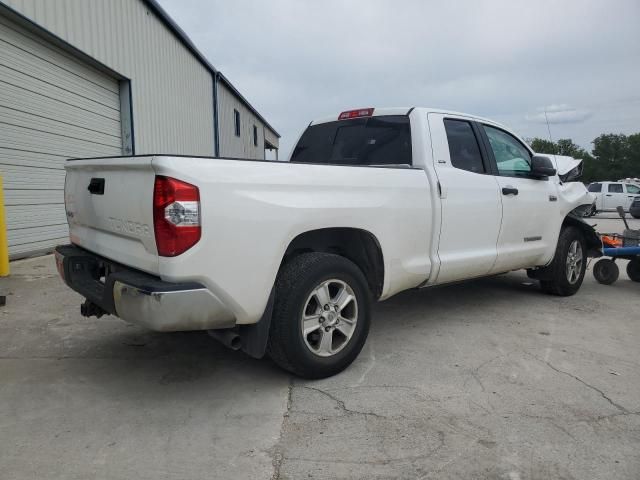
(321,315)
(566,272)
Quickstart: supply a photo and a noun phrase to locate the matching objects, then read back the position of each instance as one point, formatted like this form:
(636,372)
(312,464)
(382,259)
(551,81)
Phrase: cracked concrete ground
(489,379)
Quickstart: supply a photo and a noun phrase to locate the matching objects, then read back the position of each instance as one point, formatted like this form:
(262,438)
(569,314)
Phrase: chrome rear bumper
(171,310)
(138,297)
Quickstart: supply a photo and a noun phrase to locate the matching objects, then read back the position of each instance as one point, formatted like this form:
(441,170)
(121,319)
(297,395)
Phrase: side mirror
(542,167)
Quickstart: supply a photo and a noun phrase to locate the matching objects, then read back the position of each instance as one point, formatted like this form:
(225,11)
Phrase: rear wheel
(633,269)
(606,271)
(321,315)
(565,274)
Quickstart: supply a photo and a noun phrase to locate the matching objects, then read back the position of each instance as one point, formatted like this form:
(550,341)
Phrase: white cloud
(559,113)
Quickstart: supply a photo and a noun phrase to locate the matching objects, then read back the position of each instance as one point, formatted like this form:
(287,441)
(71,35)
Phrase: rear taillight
(176,216)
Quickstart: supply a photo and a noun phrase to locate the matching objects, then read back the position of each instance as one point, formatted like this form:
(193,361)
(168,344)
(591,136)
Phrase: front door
(470,202)
(530,213)
(615,197)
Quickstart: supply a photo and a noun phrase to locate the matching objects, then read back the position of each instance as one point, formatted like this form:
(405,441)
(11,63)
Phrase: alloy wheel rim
(329,317)
(574,261)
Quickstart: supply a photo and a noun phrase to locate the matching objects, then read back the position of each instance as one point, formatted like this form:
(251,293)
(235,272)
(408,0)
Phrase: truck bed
(250,213)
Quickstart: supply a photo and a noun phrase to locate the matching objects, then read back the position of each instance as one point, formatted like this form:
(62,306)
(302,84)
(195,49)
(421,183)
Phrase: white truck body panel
(252,210)
(434,223)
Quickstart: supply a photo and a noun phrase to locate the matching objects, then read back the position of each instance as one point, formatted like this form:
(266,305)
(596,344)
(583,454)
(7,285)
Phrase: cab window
(463,146)
(633,189)
(383,140)
(595,187)
(512,158)
(615,188)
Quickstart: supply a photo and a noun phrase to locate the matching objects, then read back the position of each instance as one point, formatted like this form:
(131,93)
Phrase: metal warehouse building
(84,78)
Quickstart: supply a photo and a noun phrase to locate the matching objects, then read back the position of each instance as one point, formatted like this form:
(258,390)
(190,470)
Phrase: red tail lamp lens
(176,216)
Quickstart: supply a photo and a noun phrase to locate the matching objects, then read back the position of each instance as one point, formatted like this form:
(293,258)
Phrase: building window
(255,136)
(236,122)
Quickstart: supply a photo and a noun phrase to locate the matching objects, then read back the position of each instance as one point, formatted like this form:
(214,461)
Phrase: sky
(297,60)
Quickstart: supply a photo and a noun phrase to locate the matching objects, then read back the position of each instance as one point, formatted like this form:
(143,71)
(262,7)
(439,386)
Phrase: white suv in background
(610,195)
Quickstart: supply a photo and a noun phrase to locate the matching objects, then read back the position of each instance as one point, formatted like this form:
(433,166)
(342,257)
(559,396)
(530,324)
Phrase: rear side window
(615,188)
(463,146)
(384,140)
(595,187)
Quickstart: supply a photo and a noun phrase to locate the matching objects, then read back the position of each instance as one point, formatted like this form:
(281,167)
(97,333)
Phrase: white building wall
(172,91)
(271,137)
(230,144)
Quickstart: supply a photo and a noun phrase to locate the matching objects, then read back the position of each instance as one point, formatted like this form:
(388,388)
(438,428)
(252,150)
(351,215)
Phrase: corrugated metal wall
(230,144)
(172,91)
(271,137)
(52,107)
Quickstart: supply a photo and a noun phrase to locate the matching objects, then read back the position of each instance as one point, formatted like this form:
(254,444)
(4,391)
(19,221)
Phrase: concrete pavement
(489,379)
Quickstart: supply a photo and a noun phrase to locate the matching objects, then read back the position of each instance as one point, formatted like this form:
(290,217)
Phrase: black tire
(557,281)
(606,271)
(633,269)
(297,279)
(593,211)
(635,214)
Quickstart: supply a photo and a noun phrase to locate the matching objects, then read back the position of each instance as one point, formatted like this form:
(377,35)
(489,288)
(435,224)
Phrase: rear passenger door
(470,208)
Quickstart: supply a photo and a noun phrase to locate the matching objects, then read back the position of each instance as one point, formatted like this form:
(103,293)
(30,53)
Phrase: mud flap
(254,337)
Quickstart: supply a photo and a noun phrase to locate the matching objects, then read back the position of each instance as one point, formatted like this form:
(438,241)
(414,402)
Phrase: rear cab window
(464,151)
(615,188)
(382,140)
(595,187)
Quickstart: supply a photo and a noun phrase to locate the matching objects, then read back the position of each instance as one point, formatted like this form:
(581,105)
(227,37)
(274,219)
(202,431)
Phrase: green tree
(570,149)
(614,155)
(541,145)
(618,155)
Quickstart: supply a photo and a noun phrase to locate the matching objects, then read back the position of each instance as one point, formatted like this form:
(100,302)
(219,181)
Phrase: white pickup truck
(287,257)
(611,195)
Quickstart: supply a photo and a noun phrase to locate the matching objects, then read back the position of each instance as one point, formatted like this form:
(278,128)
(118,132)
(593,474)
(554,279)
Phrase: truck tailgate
(109,204)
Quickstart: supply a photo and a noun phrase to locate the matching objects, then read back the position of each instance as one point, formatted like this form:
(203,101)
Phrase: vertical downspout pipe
(4,246)
(216,123)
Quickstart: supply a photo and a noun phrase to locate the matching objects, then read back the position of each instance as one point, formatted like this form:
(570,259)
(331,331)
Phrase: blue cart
(605,270)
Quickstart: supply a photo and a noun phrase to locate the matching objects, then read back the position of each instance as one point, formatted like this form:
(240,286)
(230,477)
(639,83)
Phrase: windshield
(384,140)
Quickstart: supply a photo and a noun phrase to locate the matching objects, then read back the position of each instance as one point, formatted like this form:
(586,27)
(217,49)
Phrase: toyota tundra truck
(287,258)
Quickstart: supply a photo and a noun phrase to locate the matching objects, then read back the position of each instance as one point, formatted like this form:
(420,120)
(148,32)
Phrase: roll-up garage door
(53,106)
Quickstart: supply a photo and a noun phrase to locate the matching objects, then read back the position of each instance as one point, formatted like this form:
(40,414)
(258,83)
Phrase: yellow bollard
(4,246)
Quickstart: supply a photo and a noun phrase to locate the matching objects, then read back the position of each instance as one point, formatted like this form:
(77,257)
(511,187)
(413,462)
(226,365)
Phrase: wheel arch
(360,246)
(592,240)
